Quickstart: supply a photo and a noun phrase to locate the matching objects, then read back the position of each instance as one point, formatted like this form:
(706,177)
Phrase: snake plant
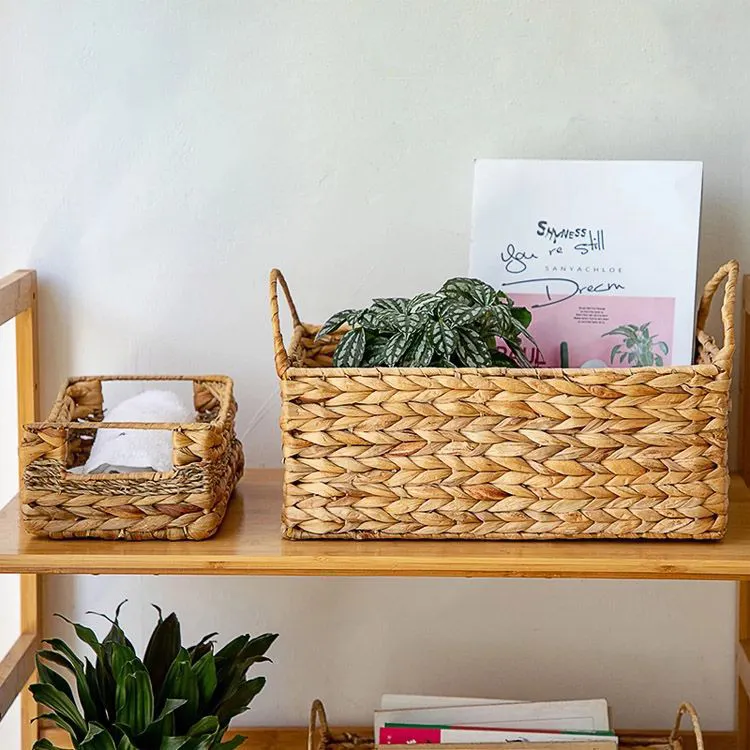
(174,698)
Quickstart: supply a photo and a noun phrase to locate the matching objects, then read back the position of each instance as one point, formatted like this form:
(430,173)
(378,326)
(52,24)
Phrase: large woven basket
(320,737)
(504,454)
(188,502)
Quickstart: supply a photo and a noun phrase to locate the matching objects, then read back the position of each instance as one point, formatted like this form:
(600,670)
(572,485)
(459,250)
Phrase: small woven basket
(320,737)
(495,453)
(188,502)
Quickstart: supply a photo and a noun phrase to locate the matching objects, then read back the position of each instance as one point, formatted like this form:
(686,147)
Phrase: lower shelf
(295,738)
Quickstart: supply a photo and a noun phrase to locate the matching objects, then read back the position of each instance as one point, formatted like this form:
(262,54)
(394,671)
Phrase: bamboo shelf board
(295,738)
(249,543)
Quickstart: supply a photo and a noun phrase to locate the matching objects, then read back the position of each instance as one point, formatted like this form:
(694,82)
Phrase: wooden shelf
(295,738)
(249,543)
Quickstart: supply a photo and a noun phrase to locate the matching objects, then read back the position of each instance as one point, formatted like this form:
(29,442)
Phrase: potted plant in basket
(174,698)
(466,323)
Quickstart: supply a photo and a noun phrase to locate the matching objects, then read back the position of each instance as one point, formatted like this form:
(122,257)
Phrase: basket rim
(221,421)
(701,337)
(513,372)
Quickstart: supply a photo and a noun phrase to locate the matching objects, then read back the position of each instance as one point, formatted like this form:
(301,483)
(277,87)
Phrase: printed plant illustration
(457,326)
(639,348)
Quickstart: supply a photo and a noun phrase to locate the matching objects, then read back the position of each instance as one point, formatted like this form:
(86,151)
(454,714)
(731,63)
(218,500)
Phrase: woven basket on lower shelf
(505,454)
(188,502)
(320,737)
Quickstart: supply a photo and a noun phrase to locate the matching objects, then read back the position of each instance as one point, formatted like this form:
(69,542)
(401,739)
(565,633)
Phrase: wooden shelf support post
(27,376)
(18,300)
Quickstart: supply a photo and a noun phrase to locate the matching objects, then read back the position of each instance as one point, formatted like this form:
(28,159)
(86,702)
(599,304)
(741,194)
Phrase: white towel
(138,450)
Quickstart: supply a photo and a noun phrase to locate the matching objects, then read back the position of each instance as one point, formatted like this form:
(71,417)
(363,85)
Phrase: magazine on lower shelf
(419,719)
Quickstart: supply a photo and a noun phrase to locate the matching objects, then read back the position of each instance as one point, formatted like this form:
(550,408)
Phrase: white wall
(159,157)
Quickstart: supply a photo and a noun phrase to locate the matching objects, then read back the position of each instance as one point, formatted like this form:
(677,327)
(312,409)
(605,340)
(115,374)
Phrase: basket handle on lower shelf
(687,708)
(280,356)
(729,271)
(319,721)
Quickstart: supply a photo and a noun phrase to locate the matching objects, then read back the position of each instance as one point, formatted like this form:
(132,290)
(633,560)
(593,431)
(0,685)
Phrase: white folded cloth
(118,450)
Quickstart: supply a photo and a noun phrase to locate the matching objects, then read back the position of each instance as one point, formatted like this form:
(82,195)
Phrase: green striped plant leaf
(472,350)
(445,339)
(396,348)
(334,323)
(392,304)
(351,349)
(421,351)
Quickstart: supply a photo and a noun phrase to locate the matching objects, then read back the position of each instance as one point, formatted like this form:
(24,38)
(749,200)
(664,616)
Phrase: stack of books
(419,720)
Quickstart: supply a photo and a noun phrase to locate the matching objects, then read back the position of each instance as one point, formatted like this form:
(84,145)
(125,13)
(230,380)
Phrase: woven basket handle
(729,272)
(687,708)
(319,723)
(280,356)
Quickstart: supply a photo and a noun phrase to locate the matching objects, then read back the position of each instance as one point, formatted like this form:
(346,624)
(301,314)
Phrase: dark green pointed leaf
(206,725)
(116,633)
(126,744)
(444,339)
(175,743)
(97,738)
(134,698)
(351,349)
(118,656)
(60,703)
(163,725)
(45,744)
(334,323)
(87,635)
(58,721)
(105,680)
(169,707)
(232,744)
(238,702)
(181,683)
(257,646)
(202,647)
(163,647)
(63,656)
(232,649)
(205,673)
(92,689)
(49,676)
(63,648)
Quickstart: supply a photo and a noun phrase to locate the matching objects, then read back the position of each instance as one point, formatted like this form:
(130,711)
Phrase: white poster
(603,253)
